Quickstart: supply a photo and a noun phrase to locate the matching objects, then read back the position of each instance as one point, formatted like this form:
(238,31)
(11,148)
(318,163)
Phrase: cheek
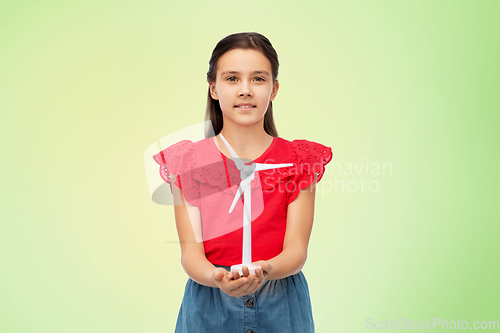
(265,92)
(227,102)
(226,96)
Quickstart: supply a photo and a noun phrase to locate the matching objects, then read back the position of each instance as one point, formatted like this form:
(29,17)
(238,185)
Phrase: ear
(275,90)
(213,91)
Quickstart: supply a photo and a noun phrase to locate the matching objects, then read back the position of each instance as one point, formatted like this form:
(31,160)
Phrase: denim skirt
(277,306)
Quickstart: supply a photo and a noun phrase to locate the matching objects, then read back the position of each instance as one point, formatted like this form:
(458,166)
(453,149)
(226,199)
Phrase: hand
(235,285)
(263,273)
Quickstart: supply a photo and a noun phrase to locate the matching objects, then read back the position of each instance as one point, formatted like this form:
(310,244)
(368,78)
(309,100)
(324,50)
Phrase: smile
(245,108)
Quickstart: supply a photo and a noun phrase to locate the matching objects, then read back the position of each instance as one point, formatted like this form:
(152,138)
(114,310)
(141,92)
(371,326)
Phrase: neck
(246,144)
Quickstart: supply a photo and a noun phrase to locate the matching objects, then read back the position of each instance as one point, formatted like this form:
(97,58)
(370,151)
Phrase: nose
(245,90)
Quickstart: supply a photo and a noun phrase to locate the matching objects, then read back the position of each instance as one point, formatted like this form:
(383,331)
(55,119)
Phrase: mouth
(245,107)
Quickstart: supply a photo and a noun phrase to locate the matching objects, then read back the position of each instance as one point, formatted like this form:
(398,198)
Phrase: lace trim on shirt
(310,158)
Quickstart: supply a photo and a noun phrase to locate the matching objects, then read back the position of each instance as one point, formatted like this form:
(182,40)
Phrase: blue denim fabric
(278,306)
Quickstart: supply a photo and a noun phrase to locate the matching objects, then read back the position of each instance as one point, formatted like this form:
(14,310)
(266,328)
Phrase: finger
(228,276)
(247,281)
(240,288)
(235,284)
(232,285)
(250,287)
(260,275)
(251,280)
(245,270)
(236,275)
(255,284)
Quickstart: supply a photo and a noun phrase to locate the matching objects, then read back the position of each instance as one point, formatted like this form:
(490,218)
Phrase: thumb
(267,267)
(264,265)
(219,274)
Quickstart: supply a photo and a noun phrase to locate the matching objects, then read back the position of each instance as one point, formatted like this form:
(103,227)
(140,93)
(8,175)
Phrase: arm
(300,216)
(188,223)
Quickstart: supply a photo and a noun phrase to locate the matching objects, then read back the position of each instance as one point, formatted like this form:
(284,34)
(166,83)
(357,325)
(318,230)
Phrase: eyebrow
(236,72)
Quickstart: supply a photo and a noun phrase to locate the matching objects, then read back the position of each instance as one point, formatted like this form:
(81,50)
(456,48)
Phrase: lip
(244,104)
(245,109)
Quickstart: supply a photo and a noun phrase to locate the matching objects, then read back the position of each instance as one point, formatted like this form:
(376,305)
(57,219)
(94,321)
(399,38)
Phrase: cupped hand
(235,285)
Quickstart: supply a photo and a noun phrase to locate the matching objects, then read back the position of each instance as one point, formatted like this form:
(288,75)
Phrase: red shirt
(210,181)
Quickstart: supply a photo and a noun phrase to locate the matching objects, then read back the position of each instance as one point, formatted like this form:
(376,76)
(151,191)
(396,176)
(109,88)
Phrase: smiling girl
(242,80)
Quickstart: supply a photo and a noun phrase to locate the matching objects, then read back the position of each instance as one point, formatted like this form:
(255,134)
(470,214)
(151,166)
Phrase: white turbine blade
(243,186)
(238,194)
(261,166)
(239,164)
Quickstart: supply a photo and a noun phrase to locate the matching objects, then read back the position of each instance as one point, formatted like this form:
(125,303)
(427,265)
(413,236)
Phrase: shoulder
(309,159)
(181,150)
(304,151)
(299,143)
(176,158)
(311,152)
(173,153)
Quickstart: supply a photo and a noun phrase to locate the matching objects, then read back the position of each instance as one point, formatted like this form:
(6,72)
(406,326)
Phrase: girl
(242,80)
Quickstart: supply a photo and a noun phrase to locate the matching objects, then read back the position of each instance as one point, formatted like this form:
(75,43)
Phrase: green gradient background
(86,87)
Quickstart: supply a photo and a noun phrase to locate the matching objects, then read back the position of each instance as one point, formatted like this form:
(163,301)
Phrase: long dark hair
(243,40)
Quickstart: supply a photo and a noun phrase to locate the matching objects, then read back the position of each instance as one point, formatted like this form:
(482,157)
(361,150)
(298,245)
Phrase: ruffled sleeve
(309,158)
(179,160)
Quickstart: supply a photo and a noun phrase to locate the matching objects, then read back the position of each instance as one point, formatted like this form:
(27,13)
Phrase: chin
(243,120)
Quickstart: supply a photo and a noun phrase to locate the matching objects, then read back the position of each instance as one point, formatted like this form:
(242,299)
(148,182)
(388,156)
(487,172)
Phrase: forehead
(243,61)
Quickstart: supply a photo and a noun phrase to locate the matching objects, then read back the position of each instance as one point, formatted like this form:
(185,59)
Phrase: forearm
(289,262)
(199,269)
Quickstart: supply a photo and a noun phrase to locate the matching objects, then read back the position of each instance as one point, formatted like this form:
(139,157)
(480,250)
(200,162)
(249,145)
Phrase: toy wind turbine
(247,175)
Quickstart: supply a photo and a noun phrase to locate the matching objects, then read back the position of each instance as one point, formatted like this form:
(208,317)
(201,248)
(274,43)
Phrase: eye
(229,78)
(261,78)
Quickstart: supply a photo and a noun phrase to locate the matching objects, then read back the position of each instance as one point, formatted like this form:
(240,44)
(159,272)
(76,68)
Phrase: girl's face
(244,76)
